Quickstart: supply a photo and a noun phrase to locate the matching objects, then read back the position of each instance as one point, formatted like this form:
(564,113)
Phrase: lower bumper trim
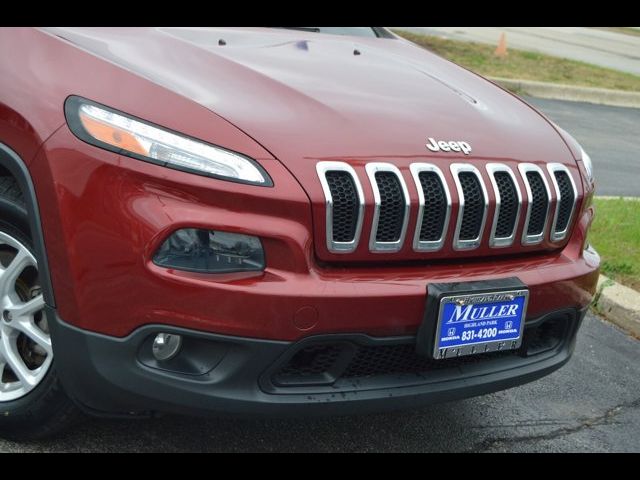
(107,375)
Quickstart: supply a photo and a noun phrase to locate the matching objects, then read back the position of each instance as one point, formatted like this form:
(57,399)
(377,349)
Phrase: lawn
(615,234)
(519,64)
(625,30)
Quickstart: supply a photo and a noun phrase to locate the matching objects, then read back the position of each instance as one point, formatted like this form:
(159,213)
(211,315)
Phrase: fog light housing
(210,251)
(166,346)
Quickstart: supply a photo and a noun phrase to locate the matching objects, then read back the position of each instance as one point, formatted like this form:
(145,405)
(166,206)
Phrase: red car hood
(307,96)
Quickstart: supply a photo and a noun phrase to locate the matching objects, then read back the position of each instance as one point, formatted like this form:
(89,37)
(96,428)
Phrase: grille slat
(566,195)
(509,205)
(345,205)
(539,204)
(567,199)
(474,203)
(435,207)
(392,207)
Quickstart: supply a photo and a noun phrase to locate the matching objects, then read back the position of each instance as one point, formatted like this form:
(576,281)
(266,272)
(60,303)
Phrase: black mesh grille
(473,206)
(345,205)
(508,205)
(346,360)
(391,207)
(567,197)
(435,207)
(390,359)
(539,206)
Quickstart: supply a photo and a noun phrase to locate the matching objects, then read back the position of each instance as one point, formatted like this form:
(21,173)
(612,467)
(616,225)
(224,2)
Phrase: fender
(17,167)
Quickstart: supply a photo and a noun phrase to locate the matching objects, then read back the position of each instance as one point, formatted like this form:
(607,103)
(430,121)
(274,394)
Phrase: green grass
(625,30)
(519,64)
(615,234)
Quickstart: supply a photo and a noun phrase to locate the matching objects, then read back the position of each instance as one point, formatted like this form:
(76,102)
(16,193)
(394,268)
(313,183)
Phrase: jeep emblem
(450,146)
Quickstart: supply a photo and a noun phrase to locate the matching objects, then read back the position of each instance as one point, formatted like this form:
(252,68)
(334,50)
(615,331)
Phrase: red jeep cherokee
(274,221)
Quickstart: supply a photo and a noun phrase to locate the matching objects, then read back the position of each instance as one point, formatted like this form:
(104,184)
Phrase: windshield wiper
(304,29)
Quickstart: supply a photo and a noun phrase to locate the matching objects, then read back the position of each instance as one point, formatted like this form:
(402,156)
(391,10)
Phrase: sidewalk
(598,47)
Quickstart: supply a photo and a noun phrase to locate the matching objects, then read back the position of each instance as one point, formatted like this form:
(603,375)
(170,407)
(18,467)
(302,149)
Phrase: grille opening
(546,336)
(312,360)
(567,199)
(345,205)
(508,214)
(435,207)
(474,202)
(346,360)
(392,207)
(539,205)
(318,364)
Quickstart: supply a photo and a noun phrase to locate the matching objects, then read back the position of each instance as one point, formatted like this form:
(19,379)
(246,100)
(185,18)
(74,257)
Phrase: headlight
(113,130)
(210,251)
(588,165)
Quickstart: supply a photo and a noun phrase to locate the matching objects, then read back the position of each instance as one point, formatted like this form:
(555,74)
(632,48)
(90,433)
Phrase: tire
(45,409)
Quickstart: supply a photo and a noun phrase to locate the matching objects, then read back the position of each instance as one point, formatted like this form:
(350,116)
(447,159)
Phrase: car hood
(307,96)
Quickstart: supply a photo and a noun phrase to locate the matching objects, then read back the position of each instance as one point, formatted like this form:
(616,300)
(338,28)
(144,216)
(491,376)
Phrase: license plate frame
(486,334)
(478,294)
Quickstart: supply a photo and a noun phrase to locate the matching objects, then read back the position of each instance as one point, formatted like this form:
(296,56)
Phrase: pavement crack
(526,423)
(606,418)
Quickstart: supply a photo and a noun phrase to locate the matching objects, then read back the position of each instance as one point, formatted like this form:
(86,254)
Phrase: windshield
(355,31)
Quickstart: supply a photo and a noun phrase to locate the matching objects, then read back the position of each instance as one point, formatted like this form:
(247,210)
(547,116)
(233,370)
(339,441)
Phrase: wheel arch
(13,163)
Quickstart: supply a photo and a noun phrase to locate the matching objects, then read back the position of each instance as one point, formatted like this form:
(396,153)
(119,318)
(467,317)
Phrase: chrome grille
(344,204)
(508,204)
(506,219)
(473,202)
(565,199)
(566,194)
(345,208)
(434,206)
(539,204)
(391,209)
(538,196)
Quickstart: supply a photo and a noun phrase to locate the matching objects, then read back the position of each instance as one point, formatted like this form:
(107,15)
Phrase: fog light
(210,251)
(166,346)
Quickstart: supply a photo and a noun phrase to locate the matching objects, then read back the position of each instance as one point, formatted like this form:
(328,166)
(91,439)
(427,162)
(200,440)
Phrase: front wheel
(32,402)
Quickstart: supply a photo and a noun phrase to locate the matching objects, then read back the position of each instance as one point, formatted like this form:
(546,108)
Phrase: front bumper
(234,375)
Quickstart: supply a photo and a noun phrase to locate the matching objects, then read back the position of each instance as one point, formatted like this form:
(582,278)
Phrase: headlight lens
(588,165)
(107,128)
(210,251)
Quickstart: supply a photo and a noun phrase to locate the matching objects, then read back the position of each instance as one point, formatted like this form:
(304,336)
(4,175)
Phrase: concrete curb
(556,91)
(618,304)
(613,197)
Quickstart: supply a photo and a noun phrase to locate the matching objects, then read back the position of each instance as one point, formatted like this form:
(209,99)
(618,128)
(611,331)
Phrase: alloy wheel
(25,343)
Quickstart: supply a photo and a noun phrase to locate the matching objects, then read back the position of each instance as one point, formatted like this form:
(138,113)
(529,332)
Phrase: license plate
(475,323)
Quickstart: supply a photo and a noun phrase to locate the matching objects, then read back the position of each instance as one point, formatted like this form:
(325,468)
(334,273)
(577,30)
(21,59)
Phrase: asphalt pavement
(592,404)
(599,47)
(611,137)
